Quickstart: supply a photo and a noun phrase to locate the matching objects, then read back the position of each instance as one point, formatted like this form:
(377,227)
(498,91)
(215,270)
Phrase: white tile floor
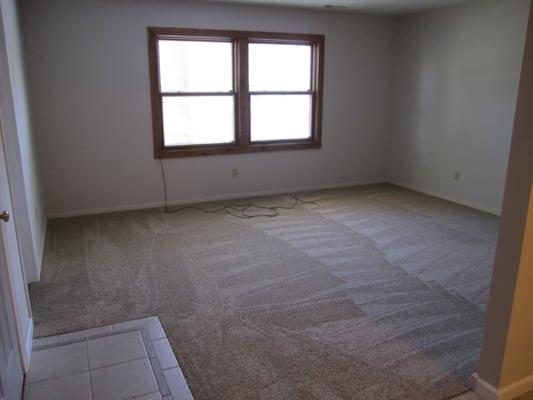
(124,361)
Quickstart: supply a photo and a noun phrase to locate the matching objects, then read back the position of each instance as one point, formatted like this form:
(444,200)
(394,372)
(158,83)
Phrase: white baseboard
(204,199)
(482,388)
(488,392)
(453,199)
(28,344)
(40,257)
(233,196)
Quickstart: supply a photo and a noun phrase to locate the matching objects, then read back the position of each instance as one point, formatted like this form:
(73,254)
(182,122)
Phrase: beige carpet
(376,292)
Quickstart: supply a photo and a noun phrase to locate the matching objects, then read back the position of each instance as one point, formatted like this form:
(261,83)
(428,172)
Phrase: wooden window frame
(240,40)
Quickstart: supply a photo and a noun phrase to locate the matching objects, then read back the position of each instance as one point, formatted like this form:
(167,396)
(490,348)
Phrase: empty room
(266,199)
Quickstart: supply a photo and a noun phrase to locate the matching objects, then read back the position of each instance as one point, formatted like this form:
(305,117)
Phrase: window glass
(280,117)
(190,120)
(279,67)
(194,66)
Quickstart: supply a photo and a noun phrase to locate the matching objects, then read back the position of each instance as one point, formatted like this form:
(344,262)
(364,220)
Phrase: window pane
(280,117)
(191,66)
(189,120)
(277,67)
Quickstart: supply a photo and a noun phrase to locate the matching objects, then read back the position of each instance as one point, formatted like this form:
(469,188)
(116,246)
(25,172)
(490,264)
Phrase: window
(223,92)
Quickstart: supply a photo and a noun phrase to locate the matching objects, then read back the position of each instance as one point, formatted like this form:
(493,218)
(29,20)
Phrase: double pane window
(221,92)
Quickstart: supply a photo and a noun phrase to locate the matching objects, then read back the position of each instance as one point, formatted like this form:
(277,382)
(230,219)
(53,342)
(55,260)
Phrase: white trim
(28,344)
(233,196)
(453,199)
(204,199)
(488,392)
(40,250)
(482,388)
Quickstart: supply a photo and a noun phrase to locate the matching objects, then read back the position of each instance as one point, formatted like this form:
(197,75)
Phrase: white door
(11,373)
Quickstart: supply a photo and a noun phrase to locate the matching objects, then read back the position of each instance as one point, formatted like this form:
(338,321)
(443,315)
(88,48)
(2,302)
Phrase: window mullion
(243,93)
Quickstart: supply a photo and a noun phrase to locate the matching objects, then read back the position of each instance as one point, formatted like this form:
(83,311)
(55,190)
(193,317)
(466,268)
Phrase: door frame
(10,49)
(24,335)
(12,378)
(10,153)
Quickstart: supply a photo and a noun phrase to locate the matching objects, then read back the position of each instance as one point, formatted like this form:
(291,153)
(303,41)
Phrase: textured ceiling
(391,7)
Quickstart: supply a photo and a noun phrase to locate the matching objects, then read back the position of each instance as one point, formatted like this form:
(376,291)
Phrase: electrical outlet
(456,176)
(234,173)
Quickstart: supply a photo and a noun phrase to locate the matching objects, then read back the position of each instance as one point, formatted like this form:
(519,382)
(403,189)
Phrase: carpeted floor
(376,292)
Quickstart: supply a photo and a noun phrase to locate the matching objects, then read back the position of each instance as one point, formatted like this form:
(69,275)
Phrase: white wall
(456,82)
(20,146)
(89,87)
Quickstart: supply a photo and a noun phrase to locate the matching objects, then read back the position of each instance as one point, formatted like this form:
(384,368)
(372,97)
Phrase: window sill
(190,151)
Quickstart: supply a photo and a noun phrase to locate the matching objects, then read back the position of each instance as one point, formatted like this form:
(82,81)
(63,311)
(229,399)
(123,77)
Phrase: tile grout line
(119,363)
(83,338)
(155,362)
(68,374)
(55,377)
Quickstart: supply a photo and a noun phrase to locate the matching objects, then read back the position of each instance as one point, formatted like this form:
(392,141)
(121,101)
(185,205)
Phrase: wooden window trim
(240,39)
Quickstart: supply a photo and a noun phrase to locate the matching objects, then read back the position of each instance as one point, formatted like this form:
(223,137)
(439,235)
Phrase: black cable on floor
(234,209)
